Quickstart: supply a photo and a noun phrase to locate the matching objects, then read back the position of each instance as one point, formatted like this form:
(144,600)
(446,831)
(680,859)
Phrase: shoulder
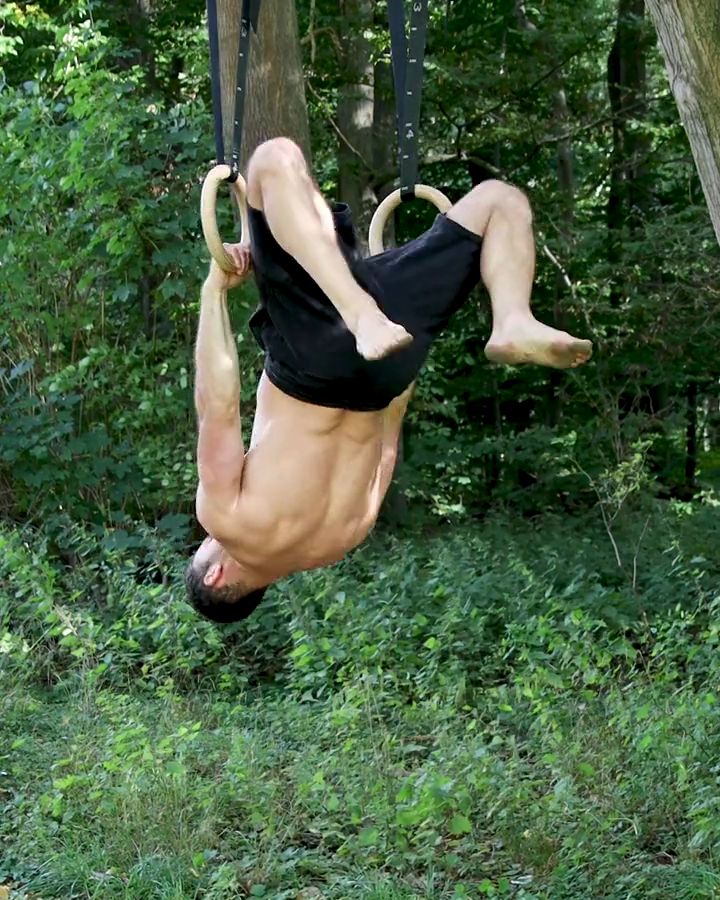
(237,521)
(219,514)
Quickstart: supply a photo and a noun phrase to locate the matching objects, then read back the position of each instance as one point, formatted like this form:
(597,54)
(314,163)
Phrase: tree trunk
(691,443)
(355,115)
(383,142)
(566,193)
(688,32)
(711,407)
(275,104)
(566,230)
(626,80)
(143,13)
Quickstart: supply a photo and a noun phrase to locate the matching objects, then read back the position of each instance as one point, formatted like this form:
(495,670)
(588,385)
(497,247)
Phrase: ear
(213,576)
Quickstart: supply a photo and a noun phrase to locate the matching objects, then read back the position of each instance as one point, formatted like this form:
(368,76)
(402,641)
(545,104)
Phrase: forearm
(217,372)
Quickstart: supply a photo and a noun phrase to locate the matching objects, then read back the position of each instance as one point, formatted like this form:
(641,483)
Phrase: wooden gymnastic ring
(391,202)
(208,200)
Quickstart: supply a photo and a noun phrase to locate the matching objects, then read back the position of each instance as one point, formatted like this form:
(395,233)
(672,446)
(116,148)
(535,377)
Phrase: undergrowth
(490,711)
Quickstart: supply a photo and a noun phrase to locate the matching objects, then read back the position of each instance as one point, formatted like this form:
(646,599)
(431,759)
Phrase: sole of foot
(555,354)
(377,337)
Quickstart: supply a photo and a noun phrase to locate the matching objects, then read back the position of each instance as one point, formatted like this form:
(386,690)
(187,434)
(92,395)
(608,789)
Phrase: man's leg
(501,214)
(301,222)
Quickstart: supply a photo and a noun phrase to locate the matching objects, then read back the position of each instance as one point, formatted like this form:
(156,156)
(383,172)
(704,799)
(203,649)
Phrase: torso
(313,481)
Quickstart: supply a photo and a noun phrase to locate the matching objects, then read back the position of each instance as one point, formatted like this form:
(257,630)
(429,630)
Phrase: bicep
(220,455)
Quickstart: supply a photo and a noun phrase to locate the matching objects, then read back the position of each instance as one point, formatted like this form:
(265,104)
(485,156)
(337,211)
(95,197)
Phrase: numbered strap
(407,63)
(248,23)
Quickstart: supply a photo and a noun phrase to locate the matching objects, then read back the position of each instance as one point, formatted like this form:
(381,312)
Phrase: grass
(110,795)
(523,730)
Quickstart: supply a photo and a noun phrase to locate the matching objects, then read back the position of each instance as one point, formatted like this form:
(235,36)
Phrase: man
(338,371)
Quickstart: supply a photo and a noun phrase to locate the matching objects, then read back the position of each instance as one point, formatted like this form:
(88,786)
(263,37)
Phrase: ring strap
(407,64)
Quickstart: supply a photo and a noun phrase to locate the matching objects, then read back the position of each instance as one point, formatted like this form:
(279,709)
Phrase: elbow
(215,405)
(217,393)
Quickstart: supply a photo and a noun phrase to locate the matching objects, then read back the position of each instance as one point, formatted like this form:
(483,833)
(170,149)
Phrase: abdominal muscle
(312,482)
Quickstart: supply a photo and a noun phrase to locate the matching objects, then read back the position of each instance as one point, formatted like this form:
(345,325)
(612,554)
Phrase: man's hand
(240,255)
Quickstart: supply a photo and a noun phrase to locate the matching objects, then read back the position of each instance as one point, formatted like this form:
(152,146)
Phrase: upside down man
(344,340)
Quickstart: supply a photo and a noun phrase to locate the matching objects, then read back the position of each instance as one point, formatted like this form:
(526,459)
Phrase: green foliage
(100,249)
(494,712)
(525,706)
(508,89)
(116,613)
(105,135)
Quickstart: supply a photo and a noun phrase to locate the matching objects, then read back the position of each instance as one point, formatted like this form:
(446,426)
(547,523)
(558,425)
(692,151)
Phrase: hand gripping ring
(391,202)
(208,218)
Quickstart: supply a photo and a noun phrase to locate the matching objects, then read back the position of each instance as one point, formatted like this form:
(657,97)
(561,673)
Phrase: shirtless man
(338,371)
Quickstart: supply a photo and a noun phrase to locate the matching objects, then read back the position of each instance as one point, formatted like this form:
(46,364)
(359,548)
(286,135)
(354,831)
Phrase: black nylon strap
(407,63)
(215,79)
(248,23)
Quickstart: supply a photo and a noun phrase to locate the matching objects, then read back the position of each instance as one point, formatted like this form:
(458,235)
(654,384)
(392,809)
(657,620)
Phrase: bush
(421,617)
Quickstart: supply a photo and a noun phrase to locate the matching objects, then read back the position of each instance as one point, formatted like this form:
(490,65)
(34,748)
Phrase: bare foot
(376,336)
(525,340)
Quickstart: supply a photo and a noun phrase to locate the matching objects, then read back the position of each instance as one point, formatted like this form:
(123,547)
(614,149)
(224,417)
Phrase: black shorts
(311,355)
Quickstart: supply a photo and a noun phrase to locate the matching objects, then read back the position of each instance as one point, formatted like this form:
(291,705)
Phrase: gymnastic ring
(208,200)
(391,202)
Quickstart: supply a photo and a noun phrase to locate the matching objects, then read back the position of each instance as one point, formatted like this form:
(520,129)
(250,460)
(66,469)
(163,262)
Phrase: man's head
(217,586)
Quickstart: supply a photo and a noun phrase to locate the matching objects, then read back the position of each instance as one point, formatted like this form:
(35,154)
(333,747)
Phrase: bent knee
(488,199)
(278,153)
(505,198)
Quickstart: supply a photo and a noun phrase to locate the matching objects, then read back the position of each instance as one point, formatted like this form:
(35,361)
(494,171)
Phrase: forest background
(511,689)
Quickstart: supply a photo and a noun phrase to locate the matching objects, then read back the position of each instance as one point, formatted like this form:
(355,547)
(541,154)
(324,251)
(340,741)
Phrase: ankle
(509,321)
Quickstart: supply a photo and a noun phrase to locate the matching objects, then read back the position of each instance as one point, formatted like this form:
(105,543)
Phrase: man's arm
(220,451)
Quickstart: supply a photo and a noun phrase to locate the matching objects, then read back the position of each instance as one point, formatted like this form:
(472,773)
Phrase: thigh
(277,167)
(269,158)
(474,210)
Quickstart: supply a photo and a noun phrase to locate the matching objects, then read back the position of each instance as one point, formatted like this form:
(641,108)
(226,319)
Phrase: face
(222,569)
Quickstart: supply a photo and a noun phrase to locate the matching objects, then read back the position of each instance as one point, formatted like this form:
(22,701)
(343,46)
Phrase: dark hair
(231,603)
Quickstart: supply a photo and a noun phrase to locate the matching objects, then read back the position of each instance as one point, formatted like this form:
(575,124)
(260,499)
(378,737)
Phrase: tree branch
(336,129)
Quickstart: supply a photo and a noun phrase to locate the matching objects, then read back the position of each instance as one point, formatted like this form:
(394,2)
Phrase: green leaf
(369,836)
(460,824)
